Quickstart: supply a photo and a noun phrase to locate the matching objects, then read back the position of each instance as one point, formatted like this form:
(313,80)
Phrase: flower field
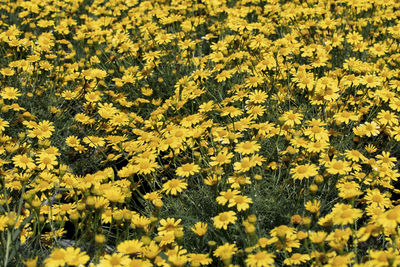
(199,133)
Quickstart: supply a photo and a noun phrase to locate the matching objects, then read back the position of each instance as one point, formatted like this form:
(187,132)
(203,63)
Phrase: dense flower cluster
(193,133)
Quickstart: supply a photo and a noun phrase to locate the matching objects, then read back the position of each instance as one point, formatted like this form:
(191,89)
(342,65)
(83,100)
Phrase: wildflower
(222,158)
(130,247)
(344,214)
(227,196)
(231,111)
(257,96)
(371,129)
(345,117)
(140,263)
(24,162)
(177,256)
(386,160)
(390,219)
(74,257)
(72,141)
(384,257)
(241,202)
(354,155)
(169,225)
(199,259)
(46,161)
(151,250)
(244,165)
(174,186)
(212,180)
(371,81)
(375,198)
(94,141)
(3,124)
(10,93)
(317,133)
(247,147)
(370,148)
(317,237)
(223,219)
(338,238)
(348,190)
(187,169)
(341,260)
(387,118)
(32,262)
(56,258)
(297,259)
(338,167)
(225,251)
(290,118)
(145,166)
(354,38)
(304,171)
(313,206)
(199,228)
(260,259)
(114,260)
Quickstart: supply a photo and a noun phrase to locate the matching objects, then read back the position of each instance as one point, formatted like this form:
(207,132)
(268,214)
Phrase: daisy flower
(223,219)
(187,169)
(174,186)
(304,171)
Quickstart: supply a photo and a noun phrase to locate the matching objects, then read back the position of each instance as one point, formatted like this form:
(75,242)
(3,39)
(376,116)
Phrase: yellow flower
(24,162)
(348,190)
(225,251)
(30,262)
(130,247)
(223,219)
(10,93)
(338,167)
(114,260)
(297,259)
(72,141)
(222,158)
(3,124)
(343,214)
(187,169)
(244,165)
(341,260)
(56,258)
(174,186)
(375,198)
(317,237)
(247,147)
(169,225)
(151,250)
(94,141)
(241,202)
(145,166)
(46,161)
(227,196)
(257,96)
(387,118)
(260,259)
(199,259)
(290,118)
(304,171)
(313,206)
(140,263)
(74,257)
(199,228)
(390,219)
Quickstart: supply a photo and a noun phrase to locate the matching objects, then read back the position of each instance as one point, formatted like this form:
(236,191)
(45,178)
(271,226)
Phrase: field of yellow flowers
(199,133)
